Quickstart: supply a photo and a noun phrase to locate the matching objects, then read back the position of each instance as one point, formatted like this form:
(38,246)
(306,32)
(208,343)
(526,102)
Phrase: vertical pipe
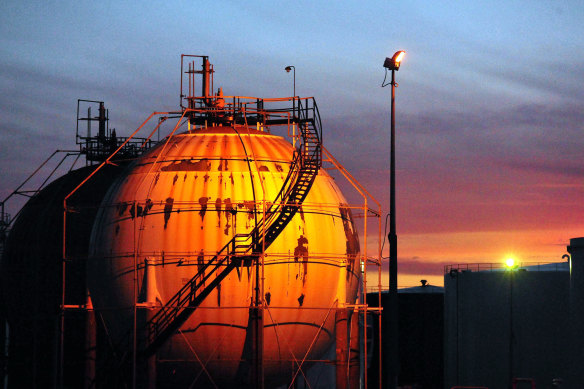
(89,122)
(6,351)
(353,359)
(365,206)
(90,343)
(180,103)
(341,318)
(146,367)
(206,74)
(257,335)
(457,330)
(62,311)
(511,334)
(54,379)
(190,81)
(212,74)
(151,367)
(294,102)
(134,304)
(379,313)
(193,91)
(102,121)
(261,294)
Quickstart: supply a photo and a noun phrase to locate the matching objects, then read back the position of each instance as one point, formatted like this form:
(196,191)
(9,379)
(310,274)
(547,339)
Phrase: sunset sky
(490,103)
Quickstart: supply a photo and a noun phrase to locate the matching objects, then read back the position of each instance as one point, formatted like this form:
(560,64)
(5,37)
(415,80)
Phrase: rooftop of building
(497,267)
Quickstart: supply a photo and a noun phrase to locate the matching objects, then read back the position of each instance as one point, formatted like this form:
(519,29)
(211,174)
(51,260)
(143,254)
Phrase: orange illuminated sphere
(181,202)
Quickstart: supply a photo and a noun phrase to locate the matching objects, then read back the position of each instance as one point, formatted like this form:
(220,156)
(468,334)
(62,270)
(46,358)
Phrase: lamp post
(287,69)
(391,317)
(511,266)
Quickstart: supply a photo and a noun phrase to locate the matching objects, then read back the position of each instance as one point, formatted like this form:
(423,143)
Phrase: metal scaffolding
(153,324)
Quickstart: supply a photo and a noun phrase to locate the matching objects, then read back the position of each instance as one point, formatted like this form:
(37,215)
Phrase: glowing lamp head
(288,68)
(394,62)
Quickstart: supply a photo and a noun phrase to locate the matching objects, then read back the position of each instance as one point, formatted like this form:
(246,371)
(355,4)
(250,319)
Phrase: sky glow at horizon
(490,104)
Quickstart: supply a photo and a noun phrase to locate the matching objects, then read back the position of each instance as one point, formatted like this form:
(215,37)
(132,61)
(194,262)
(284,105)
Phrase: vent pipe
(102,120)
(206,77)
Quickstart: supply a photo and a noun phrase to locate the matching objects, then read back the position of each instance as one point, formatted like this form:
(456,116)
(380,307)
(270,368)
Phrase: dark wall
(502,324)
(421,329)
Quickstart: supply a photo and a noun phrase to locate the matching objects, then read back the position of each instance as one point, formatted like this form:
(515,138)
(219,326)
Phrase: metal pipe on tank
(206,78)
(211,72)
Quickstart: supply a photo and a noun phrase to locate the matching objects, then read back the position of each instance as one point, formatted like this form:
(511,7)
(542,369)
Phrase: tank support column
(342,343)
(146,369)
(347,349)
(151,361)
(258,333)
(90,344)
(258,345)
(354,364)
(145,366)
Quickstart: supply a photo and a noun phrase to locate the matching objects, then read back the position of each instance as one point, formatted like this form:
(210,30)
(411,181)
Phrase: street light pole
(392,239)
(295,115)
(287,69)
(392,324)
(512,266)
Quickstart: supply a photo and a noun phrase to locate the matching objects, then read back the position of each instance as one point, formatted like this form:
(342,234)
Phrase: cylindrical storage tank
(179,204)
(31,273)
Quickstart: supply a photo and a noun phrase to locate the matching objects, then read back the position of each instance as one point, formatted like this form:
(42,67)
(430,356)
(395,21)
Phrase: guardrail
(531,266)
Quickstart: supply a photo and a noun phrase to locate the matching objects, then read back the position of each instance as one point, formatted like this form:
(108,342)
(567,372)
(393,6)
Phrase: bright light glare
(400,56)
(510,262)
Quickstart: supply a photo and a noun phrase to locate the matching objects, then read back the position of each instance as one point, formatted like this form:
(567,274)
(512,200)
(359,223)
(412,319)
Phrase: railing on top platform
(98,147)
(481,267)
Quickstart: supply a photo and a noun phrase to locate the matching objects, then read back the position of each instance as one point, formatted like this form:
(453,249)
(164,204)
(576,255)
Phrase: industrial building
(223,255)
(515,326)
(421,328)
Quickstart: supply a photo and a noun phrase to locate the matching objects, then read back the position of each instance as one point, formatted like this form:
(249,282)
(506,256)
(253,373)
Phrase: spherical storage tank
(180,203)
